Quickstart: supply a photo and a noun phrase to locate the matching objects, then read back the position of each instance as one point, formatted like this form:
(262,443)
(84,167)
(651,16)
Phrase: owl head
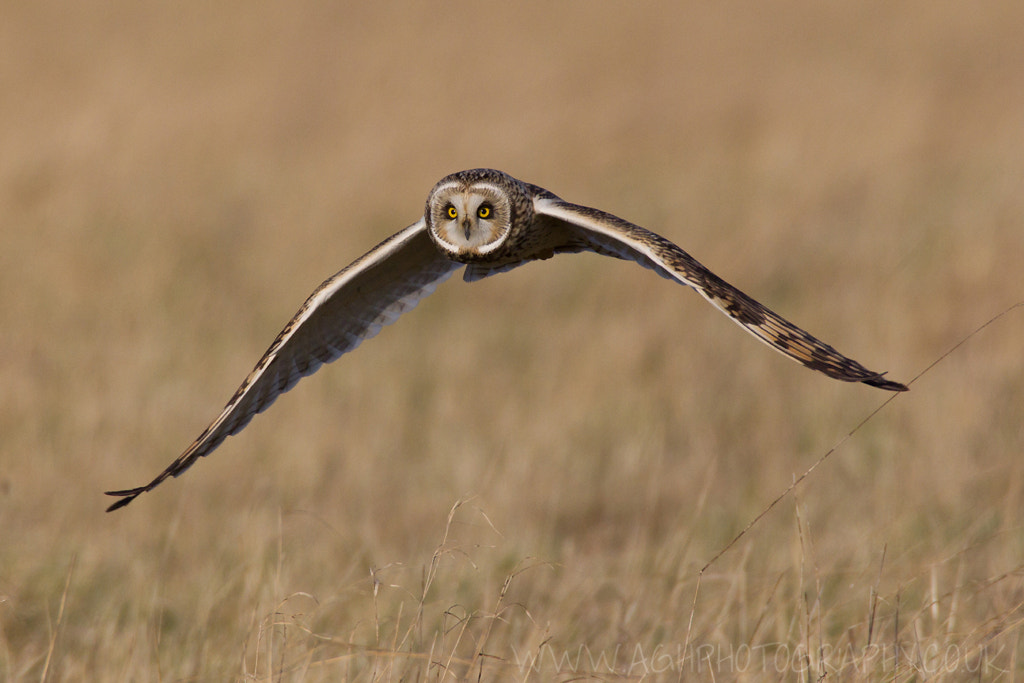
(470,214)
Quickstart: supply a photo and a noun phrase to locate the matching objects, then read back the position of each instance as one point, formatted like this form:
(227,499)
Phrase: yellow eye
(484,211)
(452,212)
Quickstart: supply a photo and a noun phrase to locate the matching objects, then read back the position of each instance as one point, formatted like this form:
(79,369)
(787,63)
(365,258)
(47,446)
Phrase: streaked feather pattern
(612,236)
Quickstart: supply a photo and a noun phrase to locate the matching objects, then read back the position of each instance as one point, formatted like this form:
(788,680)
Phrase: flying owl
(489,222)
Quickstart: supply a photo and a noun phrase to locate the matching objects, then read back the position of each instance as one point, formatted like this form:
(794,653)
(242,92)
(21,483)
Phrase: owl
(487,222)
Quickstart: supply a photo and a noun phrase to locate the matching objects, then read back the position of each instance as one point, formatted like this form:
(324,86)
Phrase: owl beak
(467,227)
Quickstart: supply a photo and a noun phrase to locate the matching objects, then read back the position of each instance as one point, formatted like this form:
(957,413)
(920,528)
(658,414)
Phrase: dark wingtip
(126,496)
(887,384)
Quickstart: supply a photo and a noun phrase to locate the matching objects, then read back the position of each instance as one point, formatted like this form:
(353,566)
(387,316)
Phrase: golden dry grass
(523,479)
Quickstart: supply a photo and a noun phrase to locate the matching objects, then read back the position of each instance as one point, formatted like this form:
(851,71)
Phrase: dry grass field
(531,477)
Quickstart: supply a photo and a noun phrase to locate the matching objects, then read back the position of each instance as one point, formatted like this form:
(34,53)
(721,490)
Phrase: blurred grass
(176,179)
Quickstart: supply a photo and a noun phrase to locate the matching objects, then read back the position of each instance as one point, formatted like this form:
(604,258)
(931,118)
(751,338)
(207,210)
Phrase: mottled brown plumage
(490,222)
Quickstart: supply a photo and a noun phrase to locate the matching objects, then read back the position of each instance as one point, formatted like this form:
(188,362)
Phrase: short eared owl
(490,222)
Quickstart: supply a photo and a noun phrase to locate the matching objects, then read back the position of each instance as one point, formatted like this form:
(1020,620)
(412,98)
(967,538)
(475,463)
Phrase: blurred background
(541,463)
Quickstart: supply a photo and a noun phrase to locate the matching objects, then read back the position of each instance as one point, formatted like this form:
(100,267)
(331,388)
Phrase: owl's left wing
(344,311)
(606,234)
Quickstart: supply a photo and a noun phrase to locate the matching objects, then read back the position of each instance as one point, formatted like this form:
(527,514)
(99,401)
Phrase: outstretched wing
(344,311)
(609,235)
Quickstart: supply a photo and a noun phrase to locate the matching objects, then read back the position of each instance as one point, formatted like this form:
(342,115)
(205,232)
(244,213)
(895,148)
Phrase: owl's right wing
(345,310)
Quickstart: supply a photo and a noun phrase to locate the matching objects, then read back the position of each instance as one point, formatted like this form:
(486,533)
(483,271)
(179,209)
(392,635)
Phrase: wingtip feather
(126,496)
(887,384)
